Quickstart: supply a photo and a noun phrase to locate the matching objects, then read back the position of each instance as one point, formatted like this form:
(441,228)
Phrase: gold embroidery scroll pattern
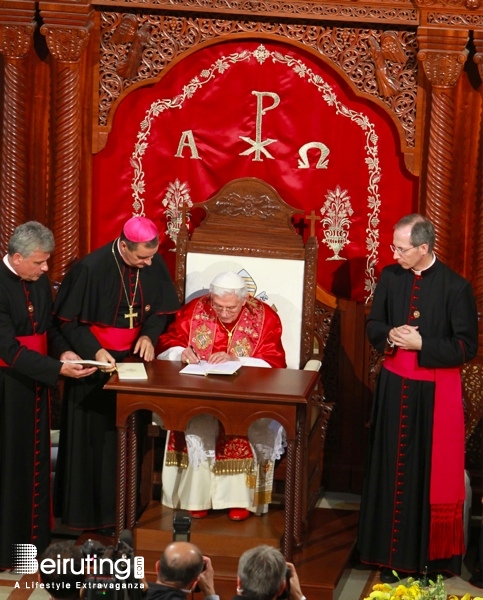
(328,95)
(348,48)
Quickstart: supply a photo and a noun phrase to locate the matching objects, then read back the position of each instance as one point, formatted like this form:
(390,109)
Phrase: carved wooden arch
(179,421)
(104,131)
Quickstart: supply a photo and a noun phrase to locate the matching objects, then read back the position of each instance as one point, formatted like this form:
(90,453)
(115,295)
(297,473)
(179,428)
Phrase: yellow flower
(382,587)
(414,592)
(401,591)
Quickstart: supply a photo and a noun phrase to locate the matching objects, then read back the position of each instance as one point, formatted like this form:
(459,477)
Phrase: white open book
(89,363)
(206,368)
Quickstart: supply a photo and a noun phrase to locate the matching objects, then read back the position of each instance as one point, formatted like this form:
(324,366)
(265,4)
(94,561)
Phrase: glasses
(401,251)
(228,309)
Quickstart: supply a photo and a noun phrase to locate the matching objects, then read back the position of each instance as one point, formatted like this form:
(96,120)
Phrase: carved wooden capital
(15,40)
(443,54)
(66,44)
(478,58)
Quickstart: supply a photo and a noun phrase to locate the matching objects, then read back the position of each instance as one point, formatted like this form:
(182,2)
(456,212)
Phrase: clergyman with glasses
(205,468)
(424,319)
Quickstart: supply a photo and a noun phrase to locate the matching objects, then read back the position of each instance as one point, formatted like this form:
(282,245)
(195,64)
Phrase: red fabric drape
(264,109)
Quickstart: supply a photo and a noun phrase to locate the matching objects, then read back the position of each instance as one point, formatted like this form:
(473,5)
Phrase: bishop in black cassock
(412,503)
(110,301)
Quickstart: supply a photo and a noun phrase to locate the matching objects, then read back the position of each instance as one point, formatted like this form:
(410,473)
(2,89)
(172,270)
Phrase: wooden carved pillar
(67,36)
(443,54)
(17,27)
(478,259)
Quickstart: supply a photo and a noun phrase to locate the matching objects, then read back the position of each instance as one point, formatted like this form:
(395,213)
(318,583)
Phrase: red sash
(448,452)
(115,338)
(37,342)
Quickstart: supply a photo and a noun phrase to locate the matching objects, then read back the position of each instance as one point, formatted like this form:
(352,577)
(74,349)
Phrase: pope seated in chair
(204,468)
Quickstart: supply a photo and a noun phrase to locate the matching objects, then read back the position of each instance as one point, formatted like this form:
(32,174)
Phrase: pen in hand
(195,353)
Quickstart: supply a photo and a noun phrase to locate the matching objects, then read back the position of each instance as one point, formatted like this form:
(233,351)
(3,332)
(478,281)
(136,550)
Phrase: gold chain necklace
(131,314)
(228,331)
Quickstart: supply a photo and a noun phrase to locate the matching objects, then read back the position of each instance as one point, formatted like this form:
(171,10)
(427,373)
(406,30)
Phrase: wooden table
(237,401)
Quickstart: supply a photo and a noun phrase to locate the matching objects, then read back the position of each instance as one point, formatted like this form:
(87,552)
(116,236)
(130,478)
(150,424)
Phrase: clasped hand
(406,337)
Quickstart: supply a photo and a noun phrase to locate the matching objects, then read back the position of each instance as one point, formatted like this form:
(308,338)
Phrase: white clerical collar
(426,268)
(5,260)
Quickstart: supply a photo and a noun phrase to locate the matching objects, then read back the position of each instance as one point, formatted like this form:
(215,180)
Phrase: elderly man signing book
(206,469)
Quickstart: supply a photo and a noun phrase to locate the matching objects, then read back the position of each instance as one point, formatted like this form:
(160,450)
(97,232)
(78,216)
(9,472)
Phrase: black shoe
(387,576)
(107,531)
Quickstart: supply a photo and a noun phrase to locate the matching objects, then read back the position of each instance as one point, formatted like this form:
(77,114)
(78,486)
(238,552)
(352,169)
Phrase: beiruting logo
(101,572)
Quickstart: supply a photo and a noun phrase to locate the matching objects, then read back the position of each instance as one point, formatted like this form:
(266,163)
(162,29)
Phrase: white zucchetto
(228,281)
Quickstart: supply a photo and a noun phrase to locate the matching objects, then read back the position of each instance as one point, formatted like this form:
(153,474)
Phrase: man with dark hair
(111,305)
(31,355)
(263,574)
(180,570)
(67,581)
(424,319)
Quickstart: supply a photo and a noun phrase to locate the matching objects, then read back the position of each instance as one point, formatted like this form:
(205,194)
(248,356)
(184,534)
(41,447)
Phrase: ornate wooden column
(442,54)
(67,34)
(478,257)
(17,25)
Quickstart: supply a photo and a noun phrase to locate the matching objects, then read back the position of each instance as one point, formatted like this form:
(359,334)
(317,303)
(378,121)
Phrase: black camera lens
(92,547)
(181,526)
(286,592)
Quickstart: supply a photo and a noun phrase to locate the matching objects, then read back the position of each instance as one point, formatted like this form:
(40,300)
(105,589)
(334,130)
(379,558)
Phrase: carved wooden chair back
(248,229)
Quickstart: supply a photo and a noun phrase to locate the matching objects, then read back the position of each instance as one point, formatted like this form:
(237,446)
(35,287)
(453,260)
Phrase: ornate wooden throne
(248,229)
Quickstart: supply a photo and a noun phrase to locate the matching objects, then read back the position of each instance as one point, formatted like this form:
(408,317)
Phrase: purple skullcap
(140,229)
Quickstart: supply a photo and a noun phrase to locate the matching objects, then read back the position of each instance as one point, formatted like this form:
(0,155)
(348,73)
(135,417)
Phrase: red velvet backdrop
(264,109)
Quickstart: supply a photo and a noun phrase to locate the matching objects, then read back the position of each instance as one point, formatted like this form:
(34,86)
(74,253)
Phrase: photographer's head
(180,565)
(65,582)
(261,573)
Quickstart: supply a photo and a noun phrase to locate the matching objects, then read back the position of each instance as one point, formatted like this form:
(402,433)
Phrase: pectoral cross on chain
(130,315)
